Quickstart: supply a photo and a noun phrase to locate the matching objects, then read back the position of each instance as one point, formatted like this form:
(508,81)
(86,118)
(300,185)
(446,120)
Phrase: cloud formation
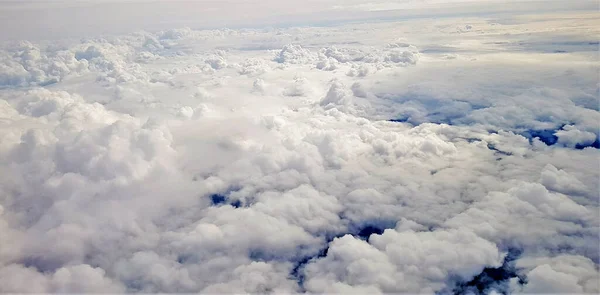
(348,159)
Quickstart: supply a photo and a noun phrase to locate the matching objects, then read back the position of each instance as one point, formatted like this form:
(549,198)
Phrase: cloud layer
(410,157)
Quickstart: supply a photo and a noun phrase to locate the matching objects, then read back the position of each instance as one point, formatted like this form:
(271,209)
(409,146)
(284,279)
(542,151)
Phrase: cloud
(342,159)
(561,181)
(30,65)
(400,261)
(564,273)
(294,54)
(506,219)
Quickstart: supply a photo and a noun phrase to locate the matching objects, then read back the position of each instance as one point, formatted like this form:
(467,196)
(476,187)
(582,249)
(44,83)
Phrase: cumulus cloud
(294,54)
(346,159)
(28,64)
(400,262)
(560,274)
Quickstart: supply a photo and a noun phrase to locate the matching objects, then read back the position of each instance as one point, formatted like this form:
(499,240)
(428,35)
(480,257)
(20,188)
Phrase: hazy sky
(72,18)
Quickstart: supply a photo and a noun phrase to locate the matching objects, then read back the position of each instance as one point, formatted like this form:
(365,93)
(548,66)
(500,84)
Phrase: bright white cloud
(388,157)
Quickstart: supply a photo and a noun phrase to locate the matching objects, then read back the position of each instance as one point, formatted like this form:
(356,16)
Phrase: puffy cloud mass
(455,156)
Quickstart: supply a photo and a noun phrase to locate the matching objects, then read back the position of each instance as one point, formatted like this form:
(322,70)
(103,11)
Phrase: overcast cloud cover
(446,147)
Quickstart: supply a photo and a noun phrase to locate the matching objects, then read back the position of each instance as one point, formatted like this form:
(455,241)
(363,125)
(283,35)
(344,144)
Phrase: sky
(283,147)
(52,19)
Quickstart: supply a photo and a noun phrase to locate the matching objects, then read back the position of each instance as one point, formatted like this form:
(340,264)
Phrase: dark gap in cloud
(368,230)
(546,136)
(497,151)
(365,229)
(399,120)
(223,199)
(182,259)
(186,258)
(297,272)
(472,140)
(595,144)
(492,278)
(217,199)
(236,204)
(414,122)
(478,106)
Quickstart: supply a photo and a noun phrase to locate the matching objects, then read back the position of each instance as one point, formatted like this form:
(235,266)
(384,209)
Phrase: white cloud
(571,136)
(401,262)
(294,54)
(264,161)
(564,273)
(77,278)
(561,181)
(29,65)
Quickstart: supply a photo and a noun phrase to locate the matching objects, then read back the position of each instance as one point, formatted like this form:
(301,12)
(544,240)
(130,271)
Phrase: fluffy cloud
(405,262)
(529,214)
(294,54)
(27,64)
(323,160)
(563,273)
(77,278)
